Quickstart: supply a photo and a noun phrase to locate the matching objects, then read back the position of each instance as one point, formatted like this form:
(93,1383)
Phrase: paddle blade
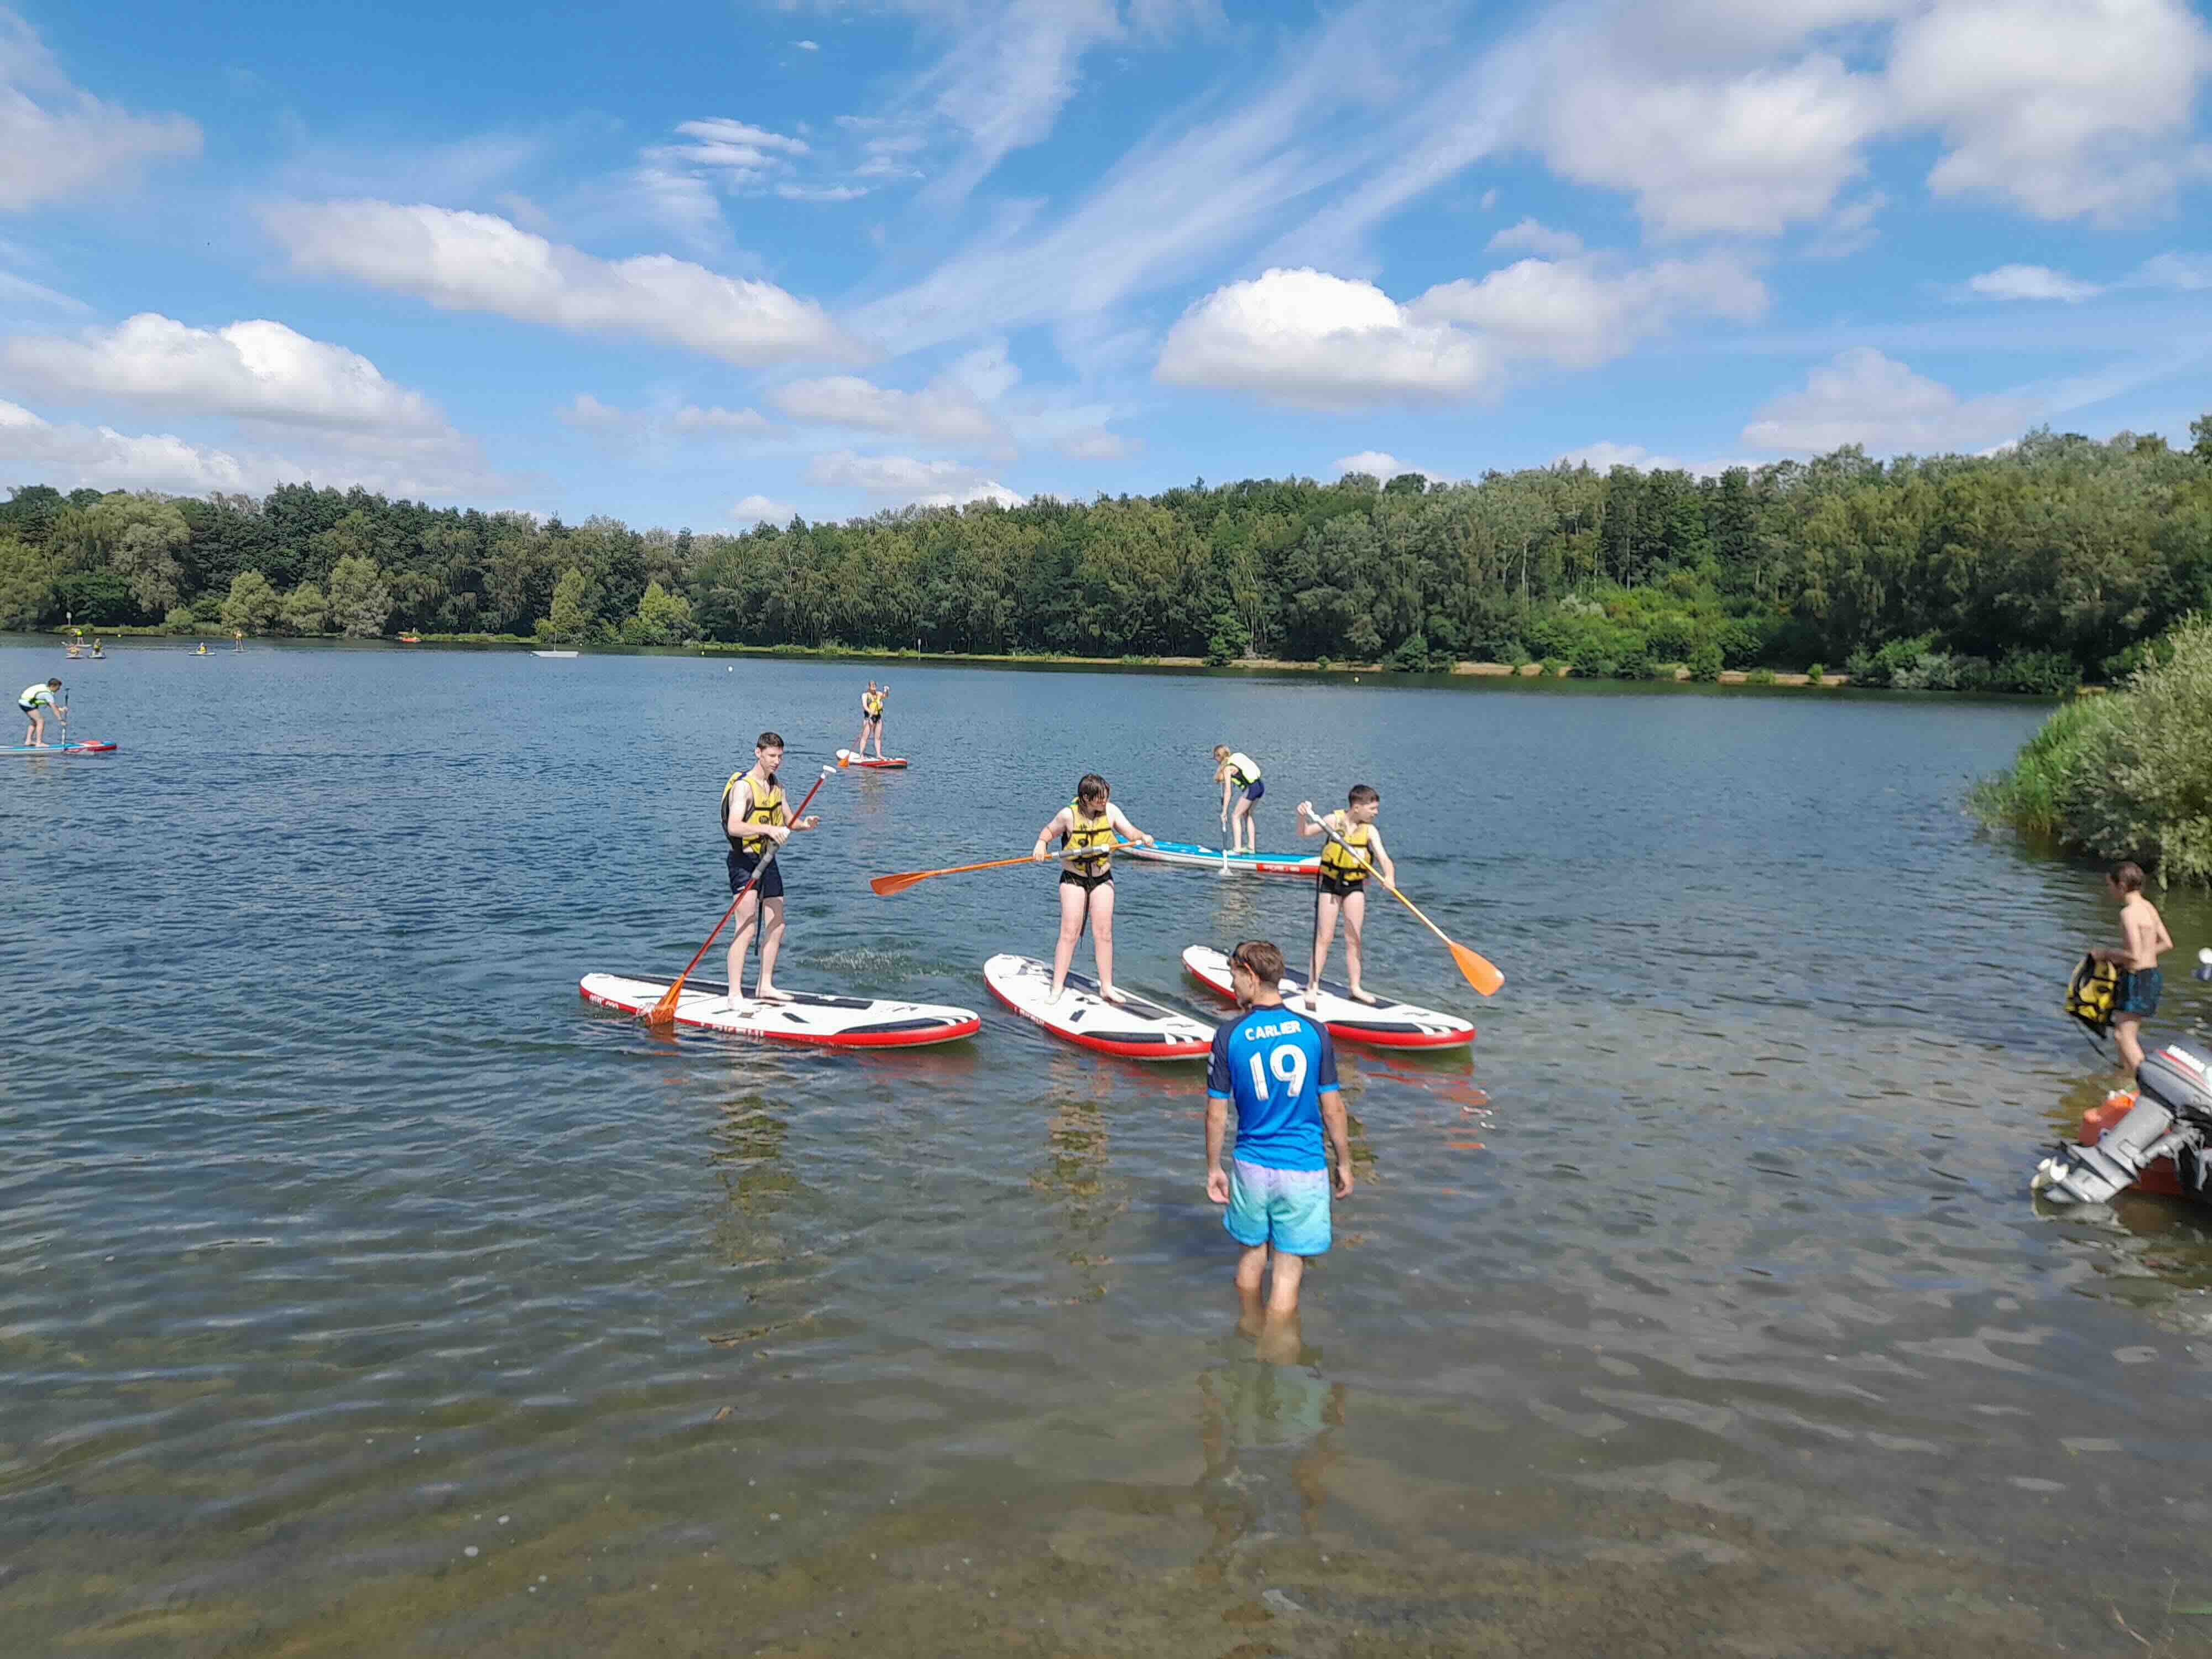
(1480,972)
(884,886)
(662,1014)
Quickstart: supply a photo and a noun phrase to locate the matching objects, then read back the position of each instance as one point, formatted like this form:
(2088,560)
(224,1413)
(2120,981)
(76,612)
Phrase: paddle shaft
(668,997)
(886,885)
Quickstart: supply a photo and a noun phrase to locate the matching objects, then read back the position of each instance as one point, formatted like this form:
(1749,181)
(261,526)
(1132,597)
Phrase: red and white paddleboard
(1136,1029)
(820,1021)
(895,763)
(1387,1025)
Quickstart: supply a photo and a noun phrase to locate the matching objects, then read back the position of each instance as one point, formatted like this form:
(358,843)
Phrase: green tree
(358,599)
(662,618)
(252,606)
(27,583)
(306,611)
(570,619)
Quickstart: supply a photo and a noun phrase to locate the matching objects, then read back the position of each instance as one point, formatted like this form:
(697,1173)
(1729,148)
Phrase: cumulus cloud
(101,458)
(1530,237)
(937,414)
(1577,313)
(1307,338)
(60,142)
(258,370)
(2031,283)
(1865,397)
(755,509)
(2060,108)
(1380,464)
(461,261)
(906,480)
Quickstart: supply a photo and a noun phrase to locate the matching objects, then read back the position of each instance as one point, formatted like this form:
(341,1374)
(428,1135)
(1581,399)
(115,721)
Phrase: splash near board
(1386,1025)
(895,764)
(816,1021)
(82,746)
(1136,1029)
(1193,856)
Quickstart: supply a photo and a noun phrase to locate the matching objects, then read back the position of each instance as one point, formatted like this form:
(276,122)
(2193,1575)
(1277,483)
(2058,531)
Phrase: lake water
(362,1291)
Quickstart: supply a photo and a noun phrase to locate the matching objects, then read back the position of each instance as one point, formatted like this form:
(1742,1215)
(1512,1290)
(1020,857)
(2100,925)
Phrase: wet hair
(1362,794)
(2127,877)
(1092,788)
(769,740)
(1260,959)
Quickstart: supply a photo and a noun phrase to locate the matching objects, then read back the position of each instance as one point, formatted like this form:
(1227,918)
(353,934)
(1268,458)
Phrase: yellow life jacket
(770,811)
(1339,863)
(872,704)
(2091,992)
(1238,775)
(1089,832)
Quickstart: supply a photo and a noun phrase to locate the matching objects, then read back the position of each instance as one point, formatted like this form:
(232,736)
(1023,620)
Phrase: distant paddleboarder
(1238,775)
(757,821)
(1086,883)
(1342,882)
(1280,1071)
(35,702)
(872,719)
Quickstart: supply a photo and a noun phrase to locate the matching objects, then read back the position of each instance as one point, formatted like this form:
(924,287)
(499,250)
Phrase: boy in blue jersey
(1280,1069)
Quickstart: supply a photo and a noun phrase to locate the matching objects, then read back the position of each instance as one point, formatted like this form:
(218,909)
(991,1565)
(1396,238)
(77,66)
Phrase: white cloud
(821,192)
(1308,338)
(1604,455)
(20,290)
(1577,313)
(904,478)
(624,427)
(1530,237)
(101,458)
(753,509)
(2031,283)
(1865,397)
(1750,152)
(804,45)
(478,262)
(937,414)
(60,142)
(2183,273)
(588,414)
(257,370)
(1380,464)
(1095,444)
(728,423)
(2060,107)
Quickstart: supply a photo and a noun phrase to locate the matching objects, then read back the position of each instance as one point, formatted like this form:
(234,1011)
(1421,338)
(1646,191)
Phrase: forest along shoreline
(2034,569)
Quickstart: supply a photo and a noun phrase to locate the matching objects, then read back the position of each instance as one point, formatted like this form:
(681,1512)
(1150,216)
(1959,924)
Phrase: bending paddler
(757,821)
(1238,775)
(1087,825)
(35,702)
(1340,885)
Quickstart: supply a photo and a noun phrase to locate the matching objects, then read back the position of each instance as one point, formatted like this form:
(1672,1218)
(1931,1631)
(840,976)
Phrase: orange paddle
(1481,973)
(663,1012)
(884,886)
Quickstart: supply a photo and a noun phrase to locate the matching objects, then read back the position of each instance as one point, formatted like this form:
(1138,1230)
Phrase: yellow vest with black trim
(1337,863)
(1089,832)
(872,705)
(2091,994)
(770,811)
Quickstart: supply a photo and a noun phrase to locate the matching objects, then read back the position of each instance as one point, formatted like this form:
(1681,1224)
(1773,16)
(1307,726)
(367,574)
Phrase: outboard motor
(2172,1118)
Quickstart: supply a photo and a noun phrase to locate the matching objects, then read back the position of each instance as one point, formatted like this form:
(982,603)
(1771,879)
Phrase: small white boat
(552,653)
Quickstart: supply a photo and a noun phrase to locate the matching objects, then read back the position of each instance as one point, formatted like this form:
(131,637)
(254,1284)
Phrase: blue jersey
(1273,1064)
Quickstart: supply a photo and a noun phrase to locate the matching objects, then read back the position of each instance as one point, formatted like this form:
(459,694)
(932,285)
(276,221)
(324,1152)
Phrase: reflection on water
(1701,1308)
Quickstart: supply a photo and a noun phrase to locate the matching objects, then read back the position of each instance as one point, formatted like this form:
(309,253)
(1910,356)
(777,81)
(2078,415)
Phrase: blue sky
(702,263)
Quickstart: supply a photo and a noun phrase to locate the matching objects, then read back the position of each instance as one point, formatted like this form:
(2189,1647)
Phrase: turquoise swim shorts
(1287,1208)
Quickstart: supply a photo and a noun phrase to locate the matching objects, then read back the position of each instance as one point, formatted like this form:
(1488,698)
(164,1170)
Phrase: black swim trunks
(742,865)
(1338,886)
(2138,992)
(1088,883)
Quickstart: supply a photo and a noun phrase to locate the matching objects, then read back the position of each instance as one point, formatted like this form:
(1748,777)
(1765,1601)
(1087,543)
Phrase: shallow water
(1705,1306)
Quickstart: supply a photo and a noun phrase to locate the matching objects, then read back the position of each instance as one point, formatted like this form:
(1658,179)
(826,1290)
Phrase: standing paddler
(1355,845)
(755,818)
(1086,883)
(872,720)
(1238,775)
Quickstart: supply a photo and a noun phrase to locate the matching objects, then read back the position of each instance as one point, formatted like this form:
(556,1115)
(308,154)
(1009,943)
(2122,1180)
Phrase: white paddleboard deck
(823,1021)
(1387,1025)
(1192,855)
(1137,1029)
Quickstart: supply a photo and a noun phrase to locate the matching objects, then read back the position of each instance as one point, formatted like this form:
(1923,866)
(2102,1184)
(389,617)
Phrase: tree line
(2028,570)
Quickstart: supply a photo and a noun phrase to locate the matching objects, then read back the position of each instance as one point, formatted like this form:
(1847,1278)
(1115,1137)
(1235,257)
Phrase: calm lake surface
(363,1291)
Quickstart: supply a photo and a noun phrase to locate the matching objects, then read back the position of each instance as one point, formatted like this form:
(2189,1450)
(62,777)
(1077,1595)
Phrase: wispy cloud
(58,139)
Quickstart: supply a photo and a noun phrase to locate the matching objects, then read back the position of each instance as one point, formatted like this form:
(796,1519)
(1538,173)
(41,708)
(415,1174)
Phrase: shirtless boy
(2143,931)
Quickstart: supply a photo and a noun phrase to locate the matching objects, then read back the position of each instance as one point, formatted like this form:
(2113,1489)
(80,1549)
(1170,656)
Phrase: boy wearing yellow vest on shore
(1342,882)
(757,822)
